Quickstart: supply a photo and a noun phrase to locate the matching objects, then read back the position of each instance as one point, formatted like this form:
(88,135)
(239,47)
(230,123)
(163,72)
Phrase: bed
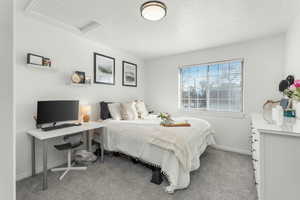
(174,150)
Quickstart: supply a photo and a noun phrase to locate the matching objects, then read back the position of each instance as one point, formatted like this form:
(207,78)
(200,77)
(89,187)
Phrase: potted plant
(165,118)
(293,93)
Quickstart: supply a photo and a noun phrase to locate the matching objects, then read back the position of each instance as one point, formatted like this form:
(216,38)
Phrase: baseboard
(39,169)
(231,149)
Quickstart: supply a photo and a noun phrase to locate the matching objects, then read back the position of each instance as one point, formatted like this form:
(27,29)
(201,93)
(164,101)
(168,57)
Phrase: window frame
(204,110)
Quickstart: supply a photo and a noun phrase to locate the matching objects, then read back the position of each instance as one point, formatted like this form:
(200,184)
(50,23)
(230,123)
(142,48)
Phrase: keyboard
(51,128)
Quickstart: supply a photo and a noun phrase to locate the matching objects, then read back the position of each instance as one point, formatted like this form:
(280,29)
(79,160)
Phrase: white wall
(7,169)
(264,60)
(293,49)
(69,52)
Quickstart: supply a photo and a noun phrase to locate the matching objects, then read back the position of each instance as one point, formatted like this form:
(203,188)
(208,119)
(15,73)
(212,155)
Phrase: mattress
(141,139)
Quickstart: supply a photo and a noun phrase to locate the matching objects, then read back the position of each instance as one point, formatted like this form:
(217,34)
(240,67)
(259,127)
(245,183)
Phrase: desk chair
(71,142)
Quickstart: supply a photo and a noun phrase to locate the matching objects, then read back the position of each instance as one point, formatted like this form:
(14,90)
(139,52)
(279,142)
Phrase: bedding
(104,111)
(115,111)
(141,109)
(128,111)
(175,150)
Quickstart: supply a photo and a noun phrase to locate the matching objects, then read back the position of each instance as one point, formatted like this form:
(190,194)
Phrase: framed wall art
(129,74)
(104,69)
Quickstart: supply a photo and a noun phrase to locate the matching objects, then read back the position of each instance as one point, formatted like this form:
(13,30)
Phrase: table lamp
(85,112)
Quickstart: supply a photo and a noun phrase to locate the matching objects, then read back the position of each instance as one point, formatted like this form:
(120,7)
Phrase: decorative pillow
(141,109)
(115,110)
(128,111)
(104,111)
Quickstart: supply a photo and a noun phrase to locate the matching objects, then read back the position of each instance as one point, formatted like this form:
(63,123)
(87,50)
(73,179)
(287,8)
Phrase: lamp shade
(85,109)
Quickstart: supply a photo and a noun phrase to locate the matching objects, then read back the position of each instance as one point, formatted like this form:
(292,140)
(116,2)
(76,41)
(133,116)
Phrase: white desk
(44,136)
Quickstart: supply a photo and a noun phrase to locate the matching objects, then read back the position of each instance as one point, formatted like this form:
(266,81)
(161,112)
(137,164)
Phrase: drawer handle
(256,183)
(253,150)
(254,160)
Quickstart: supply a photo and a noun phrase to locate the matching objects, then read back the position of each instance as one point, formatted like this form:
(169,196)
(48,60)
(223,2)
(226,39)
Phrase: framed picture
(78,77)
(129,74)
(34,59)
(104,69)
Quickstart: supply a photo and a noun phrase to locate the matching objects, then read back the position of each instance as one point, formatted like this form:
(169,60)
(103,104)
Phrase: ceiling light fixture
(153,10)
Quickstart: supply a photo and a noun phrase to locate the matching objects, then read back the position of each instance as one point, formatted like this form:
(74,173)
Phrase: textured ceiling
(189,25)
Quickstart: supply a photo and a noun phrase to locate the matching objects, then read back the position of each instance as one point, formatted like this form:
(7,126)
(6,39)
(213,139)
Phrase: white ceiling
(189,24)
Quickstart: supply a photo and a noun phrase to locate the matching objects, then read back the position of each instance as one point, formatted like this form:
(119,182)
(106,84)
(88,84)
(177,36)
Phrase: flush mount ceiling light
(153,10)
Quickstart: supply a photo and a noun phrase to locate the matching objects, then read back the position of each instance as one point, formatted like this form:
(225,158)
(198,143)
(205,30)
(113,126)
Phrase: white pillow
(141,109)
(115,111)
(128,111)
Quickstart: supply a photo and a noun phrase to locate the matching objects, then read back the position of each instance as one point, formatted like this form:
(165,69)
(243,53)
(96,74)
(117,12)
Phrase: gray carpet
(222,176)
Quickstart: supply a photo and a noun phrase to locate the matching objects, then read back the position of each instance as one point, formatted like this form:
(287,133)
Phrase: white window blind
(212,87)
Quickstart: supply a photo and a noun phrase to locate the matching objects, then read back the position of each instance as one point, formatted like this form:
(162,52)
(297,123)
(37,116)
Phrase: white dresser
(276,158)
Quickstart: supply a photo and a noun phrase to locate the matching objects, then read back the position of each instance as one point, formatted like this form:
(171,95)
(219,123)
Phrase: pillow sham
(128,111)
(141,109)
(104,111)
(115,111)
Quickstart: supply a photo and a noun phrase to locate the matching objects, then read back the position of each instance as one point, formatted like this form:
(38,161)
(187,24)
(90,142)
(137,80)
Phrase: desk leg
(45,181)
(88,141)
(102,144)
(33,169)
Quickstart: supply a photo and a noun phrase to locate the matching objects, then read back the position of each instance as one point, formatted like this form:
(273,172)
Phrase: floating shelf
(40,67)
(81,84)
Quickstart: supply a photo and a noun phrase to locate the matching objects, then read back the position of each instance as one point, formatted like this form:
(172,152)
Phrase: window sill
(219,114)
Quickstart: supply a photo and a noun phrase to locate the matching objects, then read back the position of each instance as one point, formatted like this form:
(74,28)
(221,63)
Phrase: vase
(166,121)
(296,106)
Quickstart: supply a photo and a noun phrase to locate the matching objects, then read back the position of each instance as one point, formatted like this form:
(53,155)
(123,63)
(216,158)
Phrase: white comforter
(176,150)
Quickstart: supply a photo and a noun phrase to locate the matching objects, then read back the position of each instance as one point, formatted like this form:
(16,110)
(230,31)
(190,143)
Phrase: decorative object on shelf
(153,10)
(290,79)
(277,114)
(88,80)
(104,69)
(78,77)
(268,110)
(289,113)
(46,62)
(285,103)
(297,108)
(37,60)
(291,89)
(129,77)
(34,59)
(165,118)
(85,111)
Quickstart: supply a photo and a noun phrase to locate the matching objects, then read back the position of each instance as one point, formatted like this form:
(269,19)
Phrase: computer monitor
(57,111)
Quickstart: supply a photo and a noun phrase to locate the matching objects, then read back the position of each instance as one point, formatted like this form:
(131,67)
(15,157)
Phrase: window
(212,87)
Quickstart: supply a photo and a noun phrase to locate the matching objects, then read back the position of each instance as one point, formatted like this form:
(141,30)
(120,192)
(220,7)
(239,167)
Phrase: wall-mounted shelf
(38,62)
(40,67)
(81,84)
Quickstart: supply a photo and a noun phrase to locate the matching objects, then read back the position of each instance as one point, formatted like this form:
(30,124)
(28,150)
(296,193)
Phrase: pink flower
(297,83)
